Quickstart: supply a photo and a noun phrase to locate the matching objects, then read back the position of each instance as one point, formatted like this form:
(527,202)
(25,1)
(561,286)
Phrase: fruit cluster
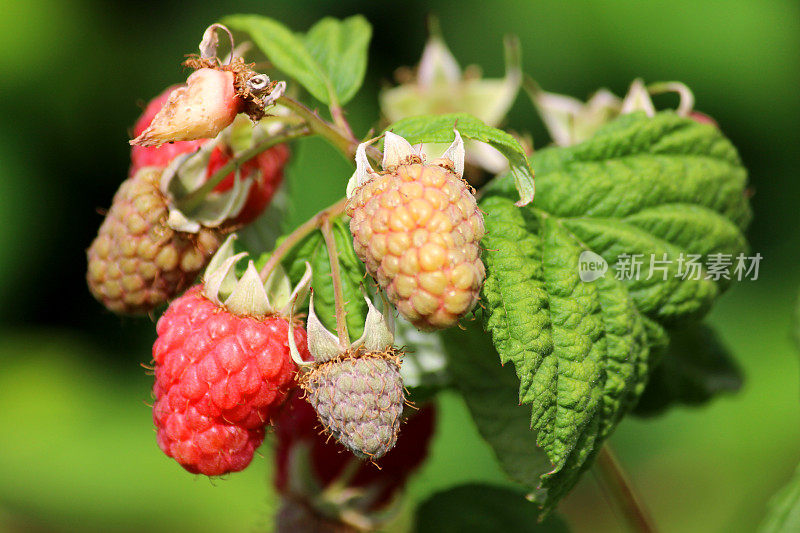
(230,349)
(233,358)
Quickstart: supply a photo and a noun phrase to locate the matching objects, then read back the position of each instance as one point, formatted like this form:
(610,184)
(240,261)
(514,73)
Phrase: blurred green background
(77,449)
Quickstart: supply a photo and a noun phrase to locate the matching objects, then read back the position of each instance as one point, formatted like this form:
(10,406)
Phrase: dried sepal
(455,153)
(686,102)
(249,297)
(185,175)
(378,330)
(398,151)
(210,42)
(220,276)
(363,171)
(324,345)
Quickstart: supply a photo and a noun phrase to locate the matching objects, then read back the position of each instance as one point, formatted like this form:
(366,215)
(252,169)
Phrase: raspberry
(219,379)
(312,472)
(359,400)
(417,229)
(137,261)
(266,169)
(356,389)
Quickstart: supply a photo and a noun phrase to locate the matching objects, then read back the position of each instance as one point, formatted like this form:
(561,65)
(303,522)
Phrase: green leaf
(583,350)
(340,48)
(490,392)
(439,129)
(285,50)
(696,368)
(329,61)
(313,250)
(480,508)
(783,515)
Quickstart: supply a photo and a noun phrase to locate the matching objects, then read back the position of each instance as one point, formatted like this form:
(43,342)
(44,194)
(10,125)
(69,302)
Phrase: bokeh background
(77,449)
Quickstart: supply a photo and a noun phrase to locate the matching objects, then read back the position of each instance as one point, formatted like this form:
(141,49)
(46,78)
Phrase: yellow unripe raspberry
(137,262)
(417,228)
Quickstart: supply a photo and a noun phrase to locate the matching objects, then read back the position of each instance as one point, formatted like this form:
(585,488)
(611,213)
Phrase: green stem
(338,297)
(196,197)
(340,135)
(614,479)
(320,126)
(337,113)
(297,235)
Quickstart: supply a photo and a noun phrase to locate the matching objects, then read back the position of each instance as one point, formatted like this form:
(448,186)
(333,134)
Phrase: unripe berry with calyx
(356,389)
(417,228)
(152,244)
(223,365)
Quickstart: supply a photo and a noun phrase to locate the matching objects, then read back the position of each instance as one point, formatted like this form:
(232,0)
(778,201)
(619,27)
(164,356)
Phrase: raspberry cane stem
(340,137)
(194,199)
(297,235)
(333,257)
(615,481)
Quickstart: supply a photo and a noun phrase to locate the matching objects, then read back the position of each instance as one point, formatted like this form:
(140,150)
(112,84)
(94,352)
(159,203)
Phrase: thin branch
(338,118)
(338,297)
(338,135)
(297,235)
(614,479)
(195,198)
(319,125)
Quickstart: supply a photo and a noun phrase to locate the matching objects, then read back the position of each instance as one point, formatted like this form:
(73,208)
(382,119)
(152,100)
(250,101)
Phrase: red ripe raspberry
(219,379)
(298,428)
(268,164)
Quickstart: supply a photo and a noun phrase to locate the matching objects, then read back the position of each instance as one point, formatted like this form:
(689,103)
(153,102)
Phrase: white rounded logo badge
(591,266)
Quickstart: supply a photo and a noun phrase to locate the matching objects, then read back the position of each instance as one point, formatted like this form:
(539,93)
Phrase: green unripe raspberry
(359,400)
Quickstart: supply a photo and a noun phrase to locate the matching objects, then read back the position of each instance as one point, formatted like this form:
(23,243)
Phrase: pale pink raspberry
(417,228)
